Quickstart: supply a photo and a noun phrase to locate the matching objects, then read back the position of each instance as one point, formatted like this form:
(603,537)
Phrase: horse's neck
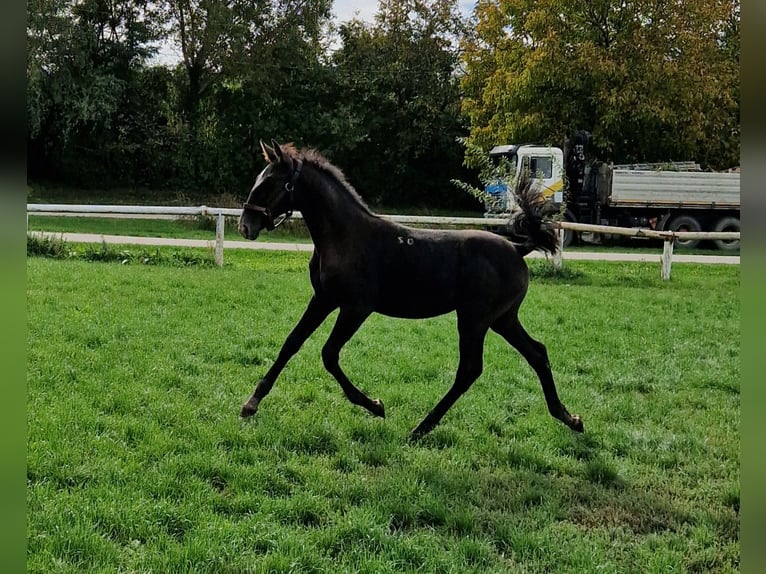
(330,210)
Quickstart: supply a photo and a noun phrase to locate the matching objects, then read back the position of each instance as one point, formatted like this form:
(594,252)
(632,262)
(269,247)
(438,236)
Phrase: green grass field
(137,460)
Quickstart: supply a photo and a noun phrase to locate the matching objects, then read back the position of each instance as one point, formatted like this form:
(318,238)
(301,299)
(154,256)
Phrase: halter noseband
(288,188)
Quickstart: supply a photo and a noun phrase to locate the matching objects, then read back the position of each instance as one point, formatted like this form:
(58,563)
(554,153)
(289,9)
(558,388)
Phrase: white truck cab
(545,163)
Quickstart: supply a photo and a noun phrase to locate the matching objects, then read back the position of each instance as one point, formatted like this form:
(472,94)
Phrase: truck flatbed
(700,190)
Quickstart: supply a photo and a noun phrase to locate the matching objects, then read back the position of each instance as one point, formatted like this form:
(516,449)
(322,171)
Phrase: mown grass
(42,193)
(138,462)
(186,227)
(197,227)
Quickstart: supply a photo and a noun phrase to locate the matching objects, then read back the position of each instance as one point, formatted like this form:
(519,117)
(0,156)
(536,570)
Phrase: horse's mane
(320,162)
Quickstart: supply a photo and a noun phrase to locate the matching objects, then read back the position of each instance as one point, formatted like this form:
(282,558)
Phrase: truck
(672,196)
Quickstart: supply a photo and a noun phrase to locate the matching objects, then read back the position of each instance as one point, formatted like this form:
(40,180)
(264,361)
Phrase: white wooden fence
(669,237)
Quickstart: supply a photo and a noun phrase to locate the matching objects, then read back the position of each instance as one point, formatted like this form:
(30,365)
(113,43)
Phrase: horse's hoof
(576,424)
(378,409)
(248,410)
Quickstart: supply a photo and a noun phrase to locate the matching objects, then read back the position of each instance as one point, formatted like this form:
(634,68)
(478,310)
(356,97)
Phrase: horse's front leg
(316,312)
(348,322)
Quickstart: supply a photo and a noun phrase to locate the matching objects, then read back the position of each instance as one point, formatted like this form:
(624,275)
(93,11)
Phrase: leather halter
(288,188)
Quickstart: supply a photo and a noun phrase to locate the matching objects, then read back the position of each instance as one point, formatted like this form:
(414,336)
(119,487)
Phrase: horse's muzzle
(250,232)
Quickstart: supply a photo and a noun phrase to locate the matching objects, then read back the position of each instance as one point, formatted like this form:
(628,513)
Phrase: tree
(100,113)
(652,80)
(82,60)
(399,95)
(249,70)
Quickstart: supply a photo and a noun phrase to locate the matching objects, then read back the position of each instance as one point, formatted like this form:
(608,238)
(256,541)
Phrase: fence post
(667,257)
(219,225)
(559,255)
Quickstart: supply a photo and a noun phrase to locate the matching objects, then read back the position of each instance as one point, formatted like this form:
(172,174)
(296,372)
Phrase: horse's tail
(533,220)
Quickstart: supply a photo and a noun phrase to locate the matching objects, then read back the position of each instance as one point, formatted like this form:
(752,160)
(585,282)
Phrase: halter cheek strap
(288,188)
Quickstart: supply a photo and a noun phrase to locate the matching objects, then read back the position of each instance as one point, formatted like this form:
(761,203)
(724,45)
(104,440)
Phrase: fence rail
(669,237)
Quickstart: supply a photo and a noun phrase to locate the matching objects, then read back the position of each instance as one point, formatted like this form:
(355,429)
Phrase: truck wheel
(727,224)
(685,223)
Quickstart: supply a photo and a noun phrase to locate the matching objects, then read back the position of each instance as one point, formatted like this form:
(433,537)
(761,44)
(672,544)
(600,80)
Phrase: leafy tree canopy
(652,80)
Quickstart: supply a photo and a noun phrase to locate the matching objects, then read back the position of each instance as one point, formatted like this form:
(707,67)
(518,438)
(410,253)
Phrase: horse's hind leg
(316,312)
(469,369)
(509,327)
(348,322)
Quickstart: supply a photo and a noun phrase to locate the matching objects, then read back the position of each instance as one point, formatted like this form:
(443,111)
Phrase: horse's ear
(277,149)
(282,155)
(269,153)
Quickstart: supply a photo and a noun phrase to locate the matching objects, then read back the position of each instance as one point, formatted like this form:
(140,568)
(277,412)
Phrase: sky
(347,9)
(362,9)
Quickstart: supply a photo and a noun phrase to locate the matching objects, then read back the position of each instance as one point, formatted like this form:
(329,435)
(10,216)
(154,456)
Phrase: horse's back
(424,273)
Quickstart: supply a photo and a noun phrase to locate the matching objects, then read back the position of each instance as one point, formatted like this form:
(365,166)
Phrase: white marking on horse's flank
(407,240)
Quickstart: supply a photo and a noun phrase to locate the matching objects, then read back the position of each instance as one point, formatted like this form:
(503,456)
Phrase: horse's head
(271,199)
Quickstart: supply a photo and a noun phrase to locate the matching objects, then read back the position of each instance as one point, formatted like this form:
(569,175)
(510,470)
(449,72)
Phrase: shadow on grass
(591,494)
